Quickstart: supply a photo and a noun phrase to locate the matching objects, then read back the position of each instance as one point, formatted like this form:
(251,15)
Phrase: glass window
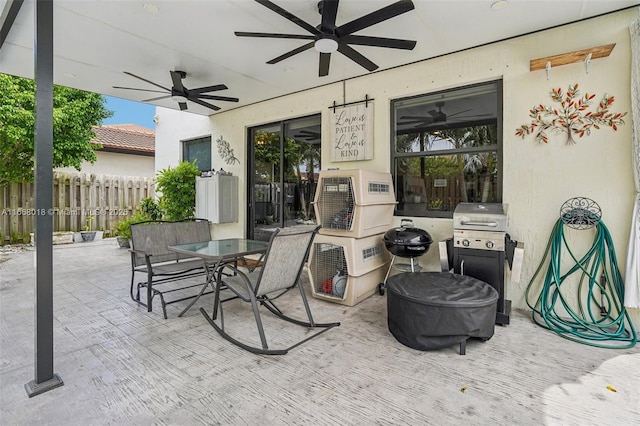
(199,150)
(447,149)
(285,162)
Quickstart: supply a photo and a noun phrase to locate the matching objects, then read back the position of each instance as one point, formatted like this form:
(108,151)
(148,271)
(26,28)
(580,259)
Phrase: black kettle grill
(408,242)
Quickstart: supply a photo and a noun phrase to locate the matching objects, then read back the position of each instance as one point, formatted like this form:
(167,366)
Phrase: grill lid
(407,241)
(481,216)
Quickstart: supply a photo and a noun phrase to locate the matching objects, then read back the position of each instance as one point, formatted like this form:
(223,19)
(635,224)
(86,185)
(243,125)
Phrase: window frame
(283,129)
(498,148)
(186,142)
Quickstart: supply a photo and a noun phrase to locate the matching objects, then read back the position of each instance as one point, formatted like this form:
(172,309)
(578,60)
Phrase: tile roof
(125,137)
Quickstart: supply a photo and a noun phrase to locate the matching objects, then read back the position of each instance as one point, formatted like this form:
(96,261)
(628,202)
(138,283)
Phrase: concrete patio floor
(124,366)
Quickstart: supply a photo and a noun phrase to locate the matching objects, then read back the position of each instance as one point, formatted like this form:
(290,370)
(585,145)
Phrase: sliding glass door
(284,162)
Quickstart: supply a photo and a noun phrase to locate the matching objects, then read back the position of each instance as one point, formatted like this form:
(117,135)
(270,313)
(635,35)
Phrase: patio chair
(283,264)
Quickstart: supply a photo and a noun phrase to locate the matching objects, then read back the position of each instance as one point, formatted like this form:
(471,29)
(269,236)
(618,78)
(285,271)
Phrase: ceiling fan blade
(392,43)
(176,78)
(459,112)
(473,116)
(421,121)
(214,98)
(134,88)
(147,81)
(156,99)
(206,89)
(291,17)
(274,35)
(356,57)
(291,53)
(323,68)
(388,12)
(205,104)
(182,105)
(329,13)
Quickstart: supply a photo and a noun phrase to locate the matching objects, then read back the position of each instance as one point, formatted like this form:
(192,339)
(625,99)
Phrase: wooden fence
(448,196)
(79,200)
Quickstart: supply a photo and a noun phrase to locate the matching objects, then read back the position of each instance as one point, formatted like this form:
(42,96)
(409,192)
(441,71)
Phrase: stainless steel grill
(480,226)
(479,242)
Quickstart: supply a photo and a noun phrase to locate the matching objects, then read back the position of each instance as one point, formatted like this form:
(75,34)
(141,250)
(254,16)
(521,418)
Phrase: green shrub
(123,227)
(178,188)
(150,208)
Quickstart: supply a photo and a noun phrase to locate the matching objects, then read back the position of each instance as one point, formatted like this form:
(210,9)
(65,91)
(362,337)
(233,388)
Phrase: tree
(464,165)
(267,155)
(475,163)
(301,154)
(74,112)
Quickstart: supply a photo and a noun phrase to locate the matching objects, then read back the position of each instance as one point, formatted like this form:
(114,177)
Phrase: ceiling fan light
(498,4)
(178,98)
(151,8)
(326,45)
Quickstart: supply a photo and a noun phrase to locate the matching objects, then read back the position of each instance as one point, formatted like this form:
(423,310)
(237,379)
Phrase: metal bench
(150,256)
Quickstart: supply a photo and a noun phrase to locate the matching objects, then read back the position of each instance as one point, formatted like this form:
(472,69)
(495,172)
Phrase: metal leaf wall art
(226,152)
(571,117)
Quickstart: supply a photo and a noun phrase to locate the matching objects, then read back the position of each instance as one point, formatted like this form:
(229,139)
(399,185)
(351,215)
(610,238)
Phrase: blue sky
(125,112)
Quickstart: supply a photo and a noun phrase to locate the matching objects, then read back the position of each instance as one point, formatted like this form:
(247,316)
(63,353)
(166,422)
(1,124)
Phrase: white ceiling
(95,41)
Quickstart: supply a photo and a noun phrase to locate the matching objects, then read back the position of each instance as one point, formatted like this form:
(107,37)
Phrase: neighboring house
(127,150)
(533,179)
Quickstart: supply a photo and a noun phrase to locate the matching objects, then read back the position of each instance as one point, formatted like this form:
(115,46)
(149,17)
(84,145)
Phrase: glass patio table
(216,253)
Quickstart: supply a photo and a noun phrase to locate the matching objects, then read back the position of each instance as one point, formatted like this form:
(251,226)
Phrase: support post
(45,378)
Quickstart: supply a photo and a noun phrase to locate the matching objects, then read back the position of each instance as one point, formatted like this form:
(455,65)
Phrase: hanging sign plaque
(352,133)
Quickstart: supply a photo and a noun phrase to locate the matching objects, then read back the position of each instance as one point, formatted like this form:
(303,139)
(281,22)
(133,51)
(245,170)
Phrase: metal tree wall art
(226,152)
(570,117)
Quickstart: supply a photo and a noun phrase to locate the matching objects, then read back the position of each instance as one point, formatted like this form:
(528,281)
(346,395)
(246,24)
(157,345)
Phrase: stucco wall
(173,126)
(112,163)
(538,178)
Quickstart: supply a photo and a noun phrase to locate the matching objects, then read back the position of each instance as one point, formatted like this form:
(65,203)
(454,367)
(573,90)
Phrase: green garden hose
(599,319)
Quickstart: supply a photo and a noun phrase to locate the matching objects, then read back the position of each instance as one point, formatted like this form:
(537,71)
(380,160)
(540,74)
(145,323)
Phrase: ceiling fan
(181,94)
(327,38)
(436,116)
(307,135)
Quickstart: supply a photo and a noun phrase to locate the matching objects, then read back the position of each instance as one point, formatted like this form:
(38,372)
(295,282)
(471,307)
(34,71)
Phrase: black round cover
(430,310)
(442,289)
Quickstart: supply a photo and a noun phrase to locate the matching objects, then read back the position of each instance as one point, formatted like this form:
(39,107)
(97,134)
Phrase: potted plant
(269,216)
(436,204)
(123,233)
(123,228)
(87,234)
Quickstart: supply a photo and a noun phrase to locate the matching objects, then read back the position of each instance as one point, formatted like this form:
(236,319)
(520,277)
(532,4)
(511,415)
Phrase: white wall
(538,178)
(173,126)
(112,163)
